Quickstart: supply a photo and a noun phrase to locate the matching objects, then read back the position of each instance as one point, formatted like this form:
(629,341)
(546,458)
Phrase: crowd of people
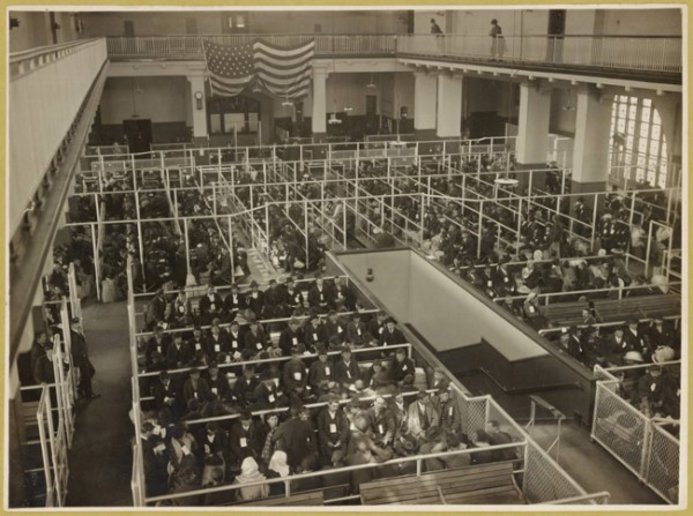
(365,412)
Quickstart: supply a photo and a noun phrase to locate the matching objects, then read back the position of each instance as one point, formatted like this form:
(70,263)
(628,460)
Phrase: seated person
(321,374)
(402,370)
(250,473)
(346,369)
(295,378)
(423,419)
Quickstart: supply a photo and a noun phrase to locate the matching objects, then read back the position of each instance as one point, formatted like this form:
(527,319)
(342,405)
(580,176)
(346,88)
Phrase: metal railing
(594,51)
(624,52)
(636,440)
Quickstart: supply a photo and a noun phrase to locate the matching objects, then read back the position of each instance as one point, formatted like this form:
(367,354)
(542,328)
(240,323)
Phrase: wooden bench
(608,310)
(479,484)
(308,498)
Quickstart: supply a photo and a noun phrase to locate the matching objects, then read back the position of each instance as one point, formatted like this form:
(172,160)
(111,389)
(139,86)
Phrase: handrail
(244,363)
(37,51)
(547,295)
(241,286)
(584,498)
(544,331)
(261,321)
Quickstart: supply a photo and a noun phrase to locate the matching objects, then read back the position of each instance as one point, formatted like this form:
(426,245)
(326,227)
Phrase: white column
(449,106)
(425,94)
(319,122)
(199,108)
(532,142)
(591,145)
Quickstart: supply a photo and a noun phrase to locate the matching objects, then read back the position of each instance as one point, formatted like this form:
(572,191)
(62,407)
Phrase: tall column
(532,142)
(592,139)
(449,107)
(319,116)
(198,105)
(425,95)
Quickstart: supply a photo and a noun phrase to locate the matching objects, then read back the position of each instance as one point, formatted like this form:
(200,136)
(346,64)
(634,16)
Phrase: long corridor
(100,458)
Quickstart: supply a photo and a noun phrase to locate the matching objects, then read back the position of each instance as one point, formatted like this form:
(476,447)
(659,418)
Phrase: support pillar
(198,104)
(449,107)
(592,140)
(532,143)
(319,116)
(425,95)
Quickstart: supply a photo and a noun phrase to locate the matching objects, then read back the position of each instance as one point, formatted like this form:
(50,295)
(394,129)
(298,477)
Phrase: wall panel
(43,104)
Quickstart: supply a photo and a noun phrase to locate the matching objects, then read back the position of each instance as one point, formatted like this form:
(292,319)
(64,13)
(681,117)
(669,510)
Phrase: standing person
(497,41)
(435,28)
(80,357)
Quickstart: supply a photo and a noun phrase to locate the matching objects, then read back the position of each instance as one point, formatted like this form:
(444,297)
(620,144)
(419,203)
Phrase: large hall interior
(346,258)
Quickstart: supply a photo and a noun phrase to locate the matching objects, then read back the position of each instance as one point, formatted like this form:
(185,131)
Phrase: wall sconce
(370,276)
(198,99)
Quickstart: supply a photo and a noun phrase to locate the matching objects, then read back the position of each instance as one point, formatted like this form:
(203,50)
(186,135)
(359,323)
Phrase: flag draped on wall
(230,68)
(282,71)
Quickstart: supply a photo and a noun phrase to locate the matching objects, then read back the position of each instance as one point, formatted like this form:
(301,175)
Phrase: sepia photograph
(379,258)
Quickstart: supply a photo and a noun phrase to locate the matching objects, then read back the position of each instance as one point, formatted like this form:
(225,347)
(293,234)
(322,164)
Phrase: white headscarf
(278,463)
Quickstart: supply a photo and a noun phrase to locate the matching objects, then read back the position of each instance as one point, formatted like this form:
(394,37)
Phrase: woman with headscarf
(278,468)
(250,474)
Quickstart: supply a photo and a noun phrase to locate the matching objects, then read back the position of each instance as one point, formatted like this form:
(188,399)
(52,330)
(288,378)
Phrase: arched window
(638,145)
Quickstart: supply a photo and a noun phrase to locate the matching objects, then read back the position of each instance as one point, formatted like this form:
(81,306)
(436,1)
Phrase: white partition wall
(46,90)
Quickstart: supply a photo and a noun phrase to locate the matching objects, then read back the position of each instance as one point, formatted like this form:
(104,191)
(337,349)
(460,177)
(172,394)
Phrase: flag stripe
(270,77)
(294,91)
(283,63)
(261,46)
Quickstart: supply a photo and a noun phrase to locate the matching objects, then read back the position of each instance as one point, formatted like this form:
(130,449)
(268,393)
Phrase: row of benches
(487,484)
(641,307)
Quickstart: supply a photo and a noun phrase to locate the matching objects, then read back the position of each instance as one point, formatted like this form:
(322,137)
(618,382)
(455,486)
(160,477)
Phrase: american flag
(230,68)
(283,72)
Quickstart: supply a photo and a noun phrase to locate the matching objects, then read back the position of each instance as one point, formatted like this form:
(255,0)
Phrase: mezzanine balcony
(657,58)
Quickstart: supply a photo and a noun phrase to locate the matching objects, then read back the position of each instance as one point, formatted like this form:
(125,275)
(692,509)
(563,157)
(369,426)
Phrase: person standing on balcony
(497,41)
(435,28)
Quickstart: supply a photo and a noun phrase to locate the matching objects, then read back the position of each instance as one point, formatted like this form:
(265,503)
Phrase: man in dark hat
(234,303)
(296,437)
(333,430)
(295,377)
(335,329)
(246,438)
(391,335)
(196,387)
(357,332)
(246,385)
(402,370)
(636,339)
(255,300)
(314,332)
(210,305)
(291,336)
(320,295)
(80,359)
(321,373)
(346,369)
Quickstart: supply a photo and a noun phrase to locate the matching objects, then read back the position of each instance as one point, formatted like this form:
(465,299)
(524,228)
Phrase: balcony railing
(624,53)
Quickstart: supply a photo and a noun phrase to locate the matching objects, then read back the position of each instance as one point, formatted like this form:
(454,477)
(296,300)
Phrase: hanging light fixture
(287,102)
(371,84)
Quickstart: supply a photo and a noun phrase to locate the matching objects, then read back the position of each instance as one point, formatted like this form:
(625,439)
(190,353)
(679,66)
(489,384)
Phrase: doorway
(139,134)
(191,25)
(128,28)
(556,31)
(371,114)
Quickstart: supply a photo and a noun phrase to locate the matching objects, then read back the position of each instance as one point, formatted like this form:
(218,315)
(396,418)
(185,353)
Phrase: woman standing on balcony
(497,41)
